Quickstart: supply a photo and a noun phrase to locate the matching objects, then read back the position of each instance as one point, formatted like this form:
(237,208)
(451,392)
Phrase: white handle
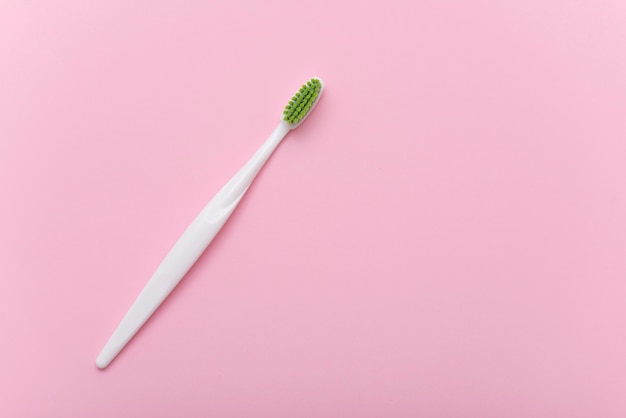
(188,248)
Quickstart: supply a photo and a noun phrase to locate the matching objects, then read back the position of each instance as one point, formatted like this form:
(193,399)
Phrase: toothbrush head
(303,102)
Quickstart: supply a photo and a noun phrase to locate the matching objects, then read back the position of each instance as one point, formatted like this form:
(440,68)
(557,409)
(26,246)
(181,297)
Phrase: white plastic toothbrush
(206,225)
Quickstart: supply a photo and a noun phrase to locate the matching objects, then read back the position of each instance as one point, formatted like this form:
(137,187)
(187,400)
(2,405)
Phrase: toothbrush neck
(238,185)
(261,156)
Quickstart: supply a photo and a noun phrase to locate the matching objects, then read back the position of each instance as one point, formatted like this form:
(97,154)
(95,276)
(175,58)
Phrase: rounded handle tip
(103,360)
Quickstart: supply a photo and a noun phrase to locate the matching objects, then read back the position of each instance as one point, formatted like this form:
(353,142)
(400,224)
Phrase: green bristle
(300,104)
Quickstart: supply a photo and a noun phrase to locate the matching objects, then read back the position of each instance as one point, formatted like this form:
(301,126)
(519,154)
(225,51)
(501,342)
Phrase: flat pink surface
(444,237)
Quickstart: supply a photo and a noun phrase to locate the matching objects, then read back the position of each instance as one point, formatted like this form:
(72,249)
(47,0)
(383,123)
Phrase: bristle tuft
(300,104)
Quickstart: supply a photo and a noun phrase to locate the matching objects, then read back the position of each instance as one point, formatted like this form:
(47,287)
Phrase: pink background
(444,237)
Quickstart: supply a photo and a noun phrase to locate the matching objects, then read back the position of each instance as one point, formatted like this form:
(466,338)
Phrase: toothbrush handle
(188,248)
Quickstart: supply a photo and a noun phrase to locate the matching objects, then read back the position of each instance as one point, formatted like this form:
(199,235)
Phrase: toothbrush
(206,225)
